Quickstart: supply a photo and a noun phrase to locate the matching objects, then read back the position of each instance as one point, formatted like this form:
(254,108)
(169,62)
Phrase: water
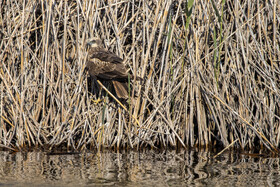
(150,168)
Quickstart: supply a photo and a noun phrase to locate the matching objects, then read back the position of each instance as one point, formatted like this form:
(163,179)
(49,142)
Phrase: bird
(103,64)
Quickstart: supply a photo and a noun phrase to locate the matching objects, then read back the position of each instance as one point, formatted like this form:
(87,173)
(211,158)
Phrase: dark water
(151,168)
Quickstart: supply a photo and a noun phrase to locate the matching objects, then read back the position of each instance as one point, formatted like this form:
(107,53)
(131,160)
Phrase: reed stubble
(211,74)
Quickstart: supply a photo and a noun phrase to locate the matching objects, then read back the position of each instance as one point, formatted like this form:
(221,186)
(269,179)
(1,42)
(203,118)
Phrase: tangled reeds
(210,70)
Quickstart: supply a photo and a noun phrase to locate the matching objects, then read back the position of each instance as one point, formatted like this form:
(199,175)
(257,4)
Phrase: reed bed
(210,74)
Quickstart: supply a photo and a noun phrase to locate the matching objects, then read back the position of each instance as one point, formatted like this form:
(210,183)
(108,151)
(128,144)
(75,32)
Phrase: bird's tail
(121,89)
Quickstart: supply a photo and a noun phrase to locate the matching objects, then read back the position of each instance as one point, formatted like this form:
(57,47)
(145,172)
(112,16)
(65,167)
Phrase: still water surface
(151,168)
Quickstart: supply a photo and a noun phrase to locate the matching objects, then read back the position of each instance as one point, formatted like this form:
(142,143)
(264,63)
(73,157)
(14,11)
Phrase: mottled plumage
(105,65)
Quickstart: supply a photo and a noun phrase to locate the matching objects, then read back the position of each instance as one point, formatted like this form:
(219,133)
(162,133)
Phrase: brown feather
(106,70)
(103,64)
(121,89)
(107,56)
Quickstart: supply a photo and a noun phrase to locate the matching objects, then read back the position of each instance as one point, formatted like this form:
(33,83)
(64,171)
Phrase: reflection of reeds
(210,74)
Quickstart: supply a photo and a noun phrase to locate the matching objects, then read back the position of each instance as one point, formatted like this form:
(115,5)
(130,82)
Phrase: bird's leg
(97,93)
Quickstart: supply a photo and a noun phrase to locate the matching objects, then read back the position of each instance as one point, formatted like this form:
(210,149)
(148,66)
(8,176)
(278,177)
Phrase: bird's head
(94,43)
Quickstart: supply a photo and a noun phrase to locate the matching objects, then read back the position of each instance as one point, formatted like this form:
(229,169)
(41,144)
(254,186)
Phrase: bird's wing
(106,70)
(106,65)
(106,56)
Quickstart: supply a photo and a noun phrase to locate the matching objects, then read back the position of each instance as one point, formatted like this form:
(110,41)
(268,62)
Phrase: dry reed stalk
(210,74)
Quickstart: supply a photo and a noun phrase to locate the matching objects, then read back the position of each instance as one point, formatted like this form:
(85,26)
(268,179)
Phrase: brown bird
(105,65)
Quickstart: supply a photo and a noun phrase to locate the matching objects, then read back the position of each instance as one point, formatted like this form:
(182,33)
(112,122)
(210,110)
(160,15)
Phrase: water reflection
(137,169)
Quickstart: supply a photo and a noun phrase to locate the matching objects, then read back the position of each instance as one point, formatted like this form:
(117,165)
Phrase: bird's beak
(88,44)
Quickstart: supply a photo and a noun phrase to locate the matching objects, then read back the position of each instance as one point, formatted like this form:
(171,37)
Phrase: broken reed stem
(117,101)
(230,145)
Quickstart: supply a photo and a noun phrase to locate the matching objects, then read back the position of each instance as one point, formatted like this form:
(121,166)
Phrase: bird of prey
(105,65)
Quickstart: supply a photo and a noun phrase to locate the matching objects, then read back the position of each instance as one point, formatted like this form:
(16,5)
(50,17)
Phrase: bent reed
(210,74)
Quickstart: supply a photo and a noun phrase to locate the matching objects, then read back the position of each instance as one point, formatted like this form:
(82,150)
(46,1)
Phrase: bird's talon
(97,100)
